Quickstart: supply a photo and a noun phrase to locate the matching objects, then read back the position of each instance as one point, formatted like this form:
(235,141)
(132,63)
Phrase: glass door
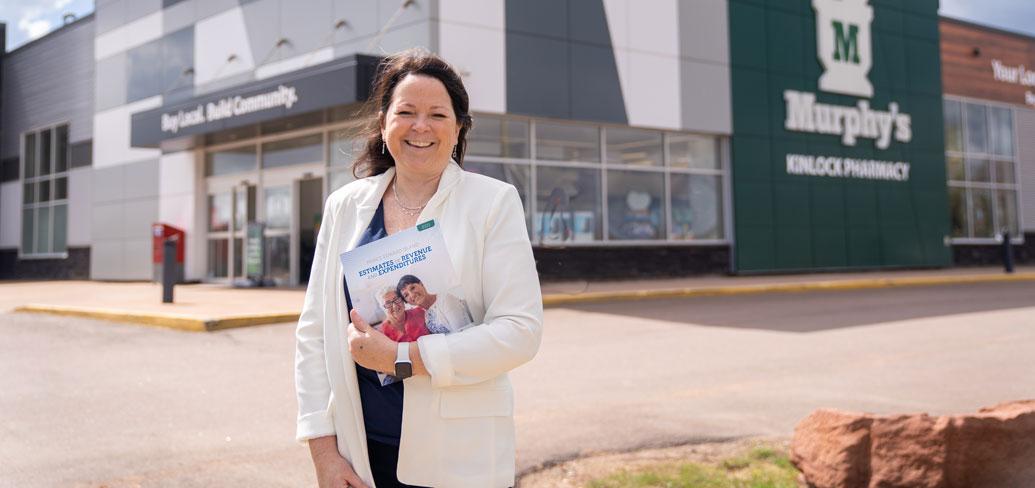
(230,207)
(278,202)
(310,213)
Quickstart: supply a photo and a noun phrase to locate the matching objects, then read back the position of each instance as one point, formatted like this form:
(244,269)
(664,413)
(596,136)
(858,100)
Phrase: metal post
(168,269)
(1007,253)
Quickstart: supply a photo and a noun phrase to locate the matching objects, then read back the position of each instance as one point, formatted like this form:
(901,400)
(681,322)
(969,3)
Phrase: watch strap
(403,366)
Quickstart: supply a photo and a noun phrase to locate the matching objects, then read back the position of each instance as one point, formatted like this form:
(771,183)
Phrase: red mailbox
(159,233)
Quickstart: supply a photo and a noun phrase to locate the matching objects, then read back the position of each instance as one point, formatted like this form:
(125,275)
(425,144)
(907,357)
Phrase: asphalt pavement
(93,403)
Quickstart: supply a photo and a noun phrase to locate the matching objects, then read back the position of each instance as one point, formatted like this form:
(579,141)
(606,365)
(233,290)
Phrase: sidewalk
(207,307)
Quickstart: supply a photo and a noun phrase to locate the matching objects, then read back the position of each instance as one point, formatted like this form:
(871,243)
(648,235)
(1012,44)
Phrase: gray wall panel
(596,93)
(360,19)
(139,215)
(106,260)
(405,36)
(80,199)
(1026,166)
(587,22)
(208,8)
(706,100)
(136,9)
(177,65)
(537,75)
(144,71)
(420,10)
(262,20)
(117,13)
(137,260)
(141,179)
(560,61)
(81,154)
(308,28)
(178,16)
(705,95)
(704,30)
(110,15)
(106,221)
(109,184)
(47,82)
(547,18)
(111,82)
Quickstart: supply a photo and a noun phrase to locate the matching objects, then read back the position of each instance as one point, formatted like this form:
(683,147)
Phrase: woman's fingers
(353,481)
(357,320)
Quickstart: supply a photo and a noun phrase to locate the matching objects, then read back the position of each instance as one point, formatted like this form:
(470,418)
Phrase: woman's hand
(332,470)
(369,347)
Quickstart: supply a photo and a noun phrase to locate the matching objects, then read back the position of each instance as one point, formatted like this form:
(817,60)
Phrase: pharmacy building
(666,138)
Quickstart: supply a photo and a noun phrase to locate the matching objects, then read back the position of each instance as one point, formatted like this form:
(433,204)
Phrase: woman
(400,324)
(450,424)
(444,313)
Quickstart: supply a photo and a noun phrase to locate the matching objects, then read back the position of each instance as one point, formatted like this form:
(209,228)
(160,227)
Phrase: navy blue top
(382,405)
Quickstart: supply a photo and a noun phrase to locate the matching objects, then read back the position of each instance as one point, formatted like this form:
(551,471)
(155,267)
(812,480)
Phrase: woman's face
(394,307)
(420,127)
(415,293)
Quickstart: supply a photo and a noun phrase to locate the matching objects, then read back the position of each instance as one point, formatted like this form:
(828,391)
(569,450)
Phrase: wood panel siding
(967,52)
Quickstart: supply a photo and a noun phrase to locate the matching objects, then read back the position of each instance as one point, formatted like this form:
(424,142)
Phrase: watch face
(403,370)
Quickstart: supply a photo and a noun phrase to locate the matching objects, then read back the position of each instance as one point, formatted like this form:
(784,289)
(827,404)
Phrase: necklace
(412,211)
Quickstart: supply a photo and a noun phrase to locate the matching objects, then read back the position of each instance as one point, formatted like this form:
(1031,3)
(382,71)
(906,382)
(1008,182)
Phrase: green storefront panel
(837,148)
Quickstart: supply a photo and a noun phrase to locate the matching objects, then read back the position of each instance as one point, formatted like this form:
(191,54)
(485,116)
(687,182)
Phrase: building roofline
(997,30)
(51,33)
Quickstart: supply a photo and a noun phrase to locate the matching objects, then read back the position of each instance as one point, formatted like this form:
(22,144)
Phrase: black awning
(339,82)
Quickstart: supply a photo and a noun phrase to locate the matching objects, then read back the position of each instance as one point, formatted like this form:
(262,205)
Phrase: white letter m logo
(844,46)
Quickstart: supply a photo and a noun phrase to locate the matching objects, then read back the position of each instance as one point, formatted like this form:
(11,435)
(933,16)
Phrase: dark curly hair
(406,280)
(373,160)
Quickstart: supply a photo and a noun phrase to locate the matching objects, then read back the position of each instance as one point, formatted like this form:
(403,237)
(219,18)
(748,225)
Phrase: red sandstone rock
(907,450)
(993,448)
(828,446)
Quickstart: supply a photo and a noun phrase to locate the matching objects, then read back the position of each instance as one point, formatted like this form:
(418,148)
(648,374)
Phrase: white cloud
(31,23)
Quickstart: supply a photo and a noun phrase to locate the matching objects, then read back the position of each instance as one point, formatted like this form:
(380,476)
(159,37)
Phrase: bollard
(168,269)
(1007,253)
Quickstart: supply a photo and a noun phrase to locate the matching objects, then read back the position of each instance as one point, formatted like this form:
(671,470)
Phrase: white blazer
(457,426)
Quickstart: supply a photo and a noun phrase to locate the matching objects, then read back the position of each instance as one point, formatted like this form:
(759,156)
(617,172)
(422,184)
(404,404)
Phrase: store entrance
(310,212)
(293,200)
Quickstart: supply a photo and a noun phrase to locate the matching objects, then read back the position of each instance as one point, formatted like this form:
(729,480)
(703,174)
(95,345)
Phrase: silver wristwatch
(403,366)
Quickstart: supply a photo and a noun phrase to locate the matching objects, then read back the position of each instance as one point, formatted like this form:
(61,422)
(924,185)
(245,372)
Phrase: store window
(584,184)
(981,170)
(45,155)
(230,161)
(635,205)
(697,207)
(567,142)
(297,150)
(518,175)
(346,144)
(498,137)
(144,71)
(568,203)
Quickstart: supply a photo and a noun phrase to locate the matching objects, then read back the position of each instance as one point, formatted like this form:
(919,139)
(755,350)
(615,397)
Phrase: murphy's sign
(845,51)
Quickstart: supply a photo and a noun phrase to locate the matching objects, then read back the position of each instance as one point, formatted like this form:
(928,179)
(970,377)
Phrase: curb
(555,300)
(166,320)
(195,324)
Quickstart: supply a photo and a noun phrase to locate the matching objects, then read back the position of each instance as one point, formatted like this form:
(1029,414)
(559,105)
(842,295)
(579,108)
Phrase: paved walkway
(89,403)
(206,307)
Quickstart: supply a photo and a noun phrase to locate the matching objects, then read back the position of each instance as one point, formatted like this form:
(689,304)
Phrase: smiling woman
(450,422)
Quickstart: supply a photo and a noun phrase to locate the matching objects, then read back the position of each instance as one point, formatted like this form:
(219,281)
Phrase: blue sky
(29,19)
